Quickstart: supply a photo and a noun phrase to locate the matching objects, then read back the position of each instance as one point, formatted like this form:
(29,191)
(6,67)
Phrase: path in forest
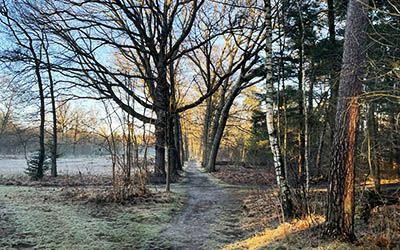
(210,218)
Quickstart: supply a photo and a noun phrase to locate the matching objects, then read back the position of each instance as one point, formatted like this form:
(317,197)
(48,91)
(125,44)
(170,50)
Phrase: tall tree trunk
(173,136)
(205,135)
(162,104)
(333,82)
(282,14)
(395,139)
(217,116)
(159,133)
(284,191)
(129,158)
(219,128)
(301,136)
(371,149)
(186,146)
(171,167)
(304,136)
(318,158)
(331,21)
(340,212)
(178,142)
(54,117)
(42,153)
(173,158)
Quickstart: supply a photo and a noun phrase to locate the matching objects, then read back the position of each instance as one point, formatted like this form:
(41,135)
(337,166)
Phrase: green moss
(42,221)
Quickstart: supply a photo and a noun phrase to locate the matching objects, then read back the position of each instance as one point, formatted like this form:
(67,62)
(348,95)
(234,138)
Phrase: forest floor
(234,208)
(261,214)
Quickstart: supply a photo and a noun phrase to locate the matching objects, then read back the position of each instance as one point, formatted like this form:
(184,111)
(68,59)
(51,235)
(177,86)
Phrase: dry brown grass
(383,229)
(60,181)
(270,235)
(382,232)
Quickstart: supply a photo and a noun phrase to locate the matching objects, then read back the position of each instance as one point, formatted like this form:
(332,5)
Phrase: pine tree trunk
(371,141)
(340,213)
(333,82)
(284,191)
(318,159)
(301,136)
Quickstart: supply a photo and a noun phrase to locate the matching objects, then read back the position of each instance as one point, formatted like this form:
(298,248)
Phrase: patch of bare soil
(209,220)
(245,176)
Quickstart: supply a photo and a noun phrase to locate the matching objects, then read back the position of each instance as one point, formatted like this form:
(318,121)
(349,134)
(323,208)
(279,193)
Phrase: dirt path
(210,218)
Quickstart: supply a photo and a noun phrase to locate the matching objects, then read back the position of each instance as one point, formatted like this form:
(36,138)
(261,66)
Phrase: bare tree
(233,65)
(54,144)
(28,50)
(6,110)
(149,35)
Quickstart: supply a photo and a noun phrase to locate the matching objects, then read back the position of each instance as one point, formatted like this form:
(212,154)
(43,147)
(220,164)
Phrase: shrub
(33,166)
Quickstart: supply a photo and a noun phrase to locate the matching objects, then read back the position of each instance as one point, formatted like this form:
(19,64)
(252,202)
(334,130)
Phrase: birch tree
(284,191)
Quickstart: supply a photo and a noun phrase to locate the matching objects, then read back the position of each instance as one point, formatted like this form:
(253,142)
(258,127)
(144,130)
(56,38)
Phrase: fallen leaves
(245,176)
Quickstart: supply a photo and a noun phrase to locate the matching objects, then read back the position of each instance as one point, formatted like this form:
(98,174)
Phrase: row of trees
(75,128)
(148,53)
(166,64)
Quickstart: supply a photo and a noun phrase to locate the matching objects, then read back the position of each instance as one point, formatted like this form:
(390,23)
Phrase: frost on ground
(41,215)
(201,213)
(40,218)
(98,165)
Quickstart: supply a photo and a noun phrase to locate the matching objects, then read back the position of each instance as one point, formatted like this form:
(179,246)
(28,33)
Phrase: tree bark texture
(54,118)
(284,191)
(340,212)
(206,131)
(219,127)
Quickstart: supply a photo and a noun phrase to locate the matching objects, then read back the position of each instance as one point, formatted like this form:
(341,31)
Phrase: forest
(199,124)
